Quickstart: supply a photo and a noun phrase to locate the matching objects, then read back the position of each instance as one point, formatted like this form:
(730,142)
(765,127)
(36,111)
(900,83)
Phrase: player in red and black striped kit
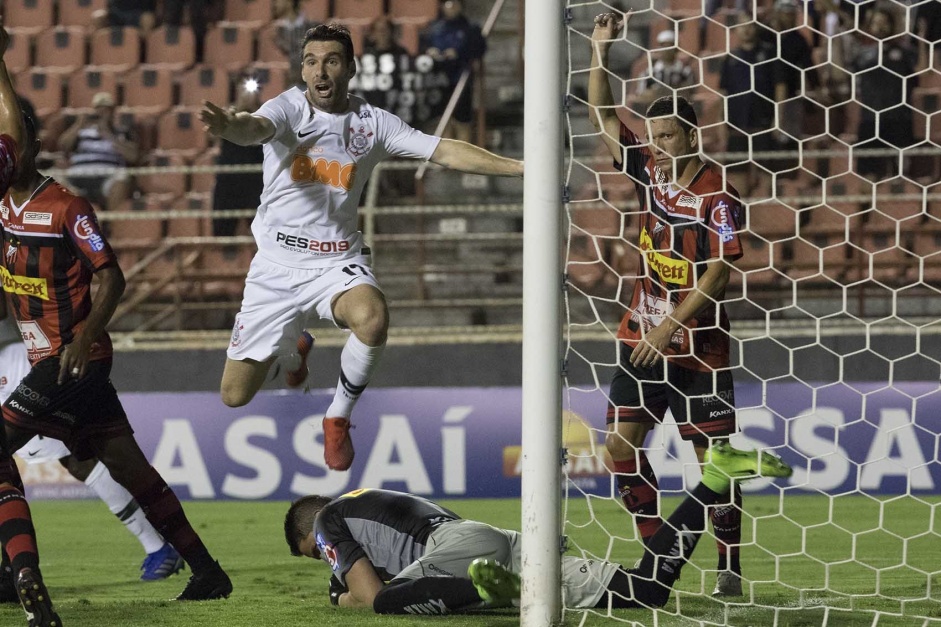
(52,250)
(675,341)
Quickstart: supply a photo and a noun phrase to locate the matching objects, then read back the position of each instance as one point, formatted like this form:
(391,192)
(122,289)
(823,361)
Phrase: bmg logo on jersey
(84,229)
(333,173)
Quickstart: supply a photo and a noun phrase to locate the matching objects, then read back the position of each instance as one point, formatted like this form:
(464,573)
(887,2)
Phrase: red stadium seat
(410,34)
(138,230)
(418,10)
(256,11)
(204,182)
(315,10)
(268,50)
(229,46)
(367,10)
(116,47)
(357,33)
(204,83)
(180,129)
(84,84)
(61,49)
(19,54)
(31,15)
(169,183)
(172,46)
(150,88)
(79,12)
(195,226)
(42,88)
(273,78)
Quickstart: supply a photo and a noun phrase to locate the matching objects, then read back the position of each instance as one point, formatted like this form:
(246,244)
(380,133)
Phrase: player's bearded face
(327,74)
(671,145)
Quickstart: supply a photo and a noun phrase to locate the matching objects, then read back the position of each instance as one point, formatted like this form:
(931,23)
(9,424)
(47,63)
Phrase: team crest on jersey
(237,333)
(4,211)
(11,252)
(359,141)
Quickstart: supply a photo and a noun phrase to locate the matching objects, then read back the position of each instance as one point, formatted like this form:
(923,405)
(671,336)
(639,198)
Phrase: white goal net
(824,116)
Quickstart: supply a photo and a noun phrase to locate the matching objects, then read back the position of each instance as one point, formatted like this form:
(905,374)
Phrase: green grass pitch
(810,561)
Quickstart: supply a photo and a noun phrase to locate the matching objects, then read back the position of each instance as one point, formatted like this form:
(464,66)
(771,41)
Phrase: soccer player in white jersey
(162,559)
(320,145)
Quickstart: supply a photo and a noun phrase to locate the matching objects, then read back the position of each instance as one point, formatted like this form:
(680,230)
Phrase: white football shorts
(14,365)
(279,302)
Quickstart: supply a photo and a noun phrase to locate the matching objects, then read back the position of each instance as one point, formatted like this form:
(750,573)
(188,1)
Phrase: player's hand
(607,28)
(652,348)
(215,119)
(73,362)
(336,589)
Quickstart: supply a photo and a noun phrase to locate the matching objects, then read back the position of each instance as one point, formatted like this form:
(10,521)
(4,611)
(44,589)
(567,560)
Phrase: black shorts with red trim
(77,412)
(702,403)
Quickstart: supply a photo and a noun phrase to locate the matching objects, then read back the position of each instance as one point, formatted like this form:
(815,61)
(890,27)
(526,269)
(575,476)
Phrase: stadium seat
(118,47)
(268,50)
(772,220)
(31,15)
(417,10)
(61,49)
(172,46)
(138,230)
(42,88)
(195,226)
(143,124)
(315,10)
(85,83)
(149,88)
(205,83)
(204,182)
(19,54)
(357,33)
(79,12)
(367,10)
(180,129)
(169,183)
(229,46)
(257,12)
(410,34)
(273,78)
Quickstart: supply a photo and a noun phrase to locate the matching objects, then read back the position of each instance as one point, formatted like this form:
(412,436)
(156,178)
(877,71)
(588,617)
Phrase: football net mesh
(833,308)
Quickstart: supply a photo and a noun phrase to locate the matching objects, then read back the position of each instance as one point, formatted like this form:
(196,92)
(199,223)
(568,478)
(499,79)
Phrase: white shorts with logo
(454,545)
(14,365)
(279,302)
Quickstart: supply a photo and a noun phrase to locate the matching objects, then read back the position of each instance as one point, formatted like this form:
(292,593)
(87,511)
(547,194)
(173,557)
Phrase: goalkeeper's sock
(123,505)
(638,488)
(428,595)
(165,513)
(727,527)
(358,361)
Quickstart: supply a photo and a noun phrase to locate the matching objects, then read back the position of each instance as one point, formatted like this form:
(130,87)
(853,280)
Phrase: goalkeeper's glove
(336,589)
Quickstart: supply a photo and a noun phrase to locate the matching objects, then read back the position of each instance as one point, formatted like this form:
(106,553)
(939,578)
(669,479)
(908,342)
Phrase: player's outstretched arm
(11,118)
(600,99)
(241,128)
(458,155)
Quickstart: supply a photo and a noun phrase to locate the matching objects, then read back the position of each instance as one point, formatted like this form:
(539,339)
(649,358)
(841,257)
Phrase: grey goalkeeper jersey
(389,528)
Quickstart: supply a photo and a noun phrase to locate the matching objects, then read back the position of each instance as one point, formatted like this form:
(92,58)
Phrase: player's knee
(371,325)
(234,395)
(619,447)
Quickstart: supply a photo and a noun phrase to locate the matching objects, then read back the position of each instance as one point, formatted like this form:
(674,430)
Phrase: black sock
(428,595)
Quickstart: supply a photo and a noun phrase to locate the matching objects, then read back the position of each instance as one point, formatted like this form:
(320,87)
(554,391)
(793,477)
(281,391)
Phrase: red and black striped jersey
(52,245)
(680,230)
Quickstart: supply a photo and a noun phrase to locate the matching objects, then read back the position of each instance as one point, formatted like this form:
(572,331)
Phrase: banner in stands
(465,442)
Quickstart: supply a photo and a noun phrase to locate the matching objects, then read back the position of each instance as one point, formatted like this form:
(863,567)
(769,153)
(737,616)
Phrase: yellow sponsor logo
(16,284)
(670,270)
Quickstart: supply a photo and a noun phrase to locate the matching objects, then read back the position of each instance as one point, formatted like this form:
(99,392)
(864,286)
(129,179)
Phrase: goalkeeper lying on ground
(400,553)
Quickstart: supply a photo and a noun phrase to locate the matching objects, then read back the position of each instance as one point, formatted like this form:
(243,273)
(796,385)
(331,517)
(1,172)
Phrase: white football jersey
(315,169)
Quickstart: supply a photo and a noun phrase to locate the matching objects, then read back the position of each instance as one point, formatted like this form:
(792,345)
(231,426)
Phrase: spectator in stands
(710,9)
(198,19)
(669,71)
(289,37)
(748,78)
(386,75)
(456,44)
(139,13)
(881,89)
(99,149)
(928,28)
(237,190)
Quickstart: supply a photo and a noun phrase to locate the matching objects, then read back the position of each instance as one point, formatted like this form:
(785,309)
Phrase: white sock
(123,505)
(357,363)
